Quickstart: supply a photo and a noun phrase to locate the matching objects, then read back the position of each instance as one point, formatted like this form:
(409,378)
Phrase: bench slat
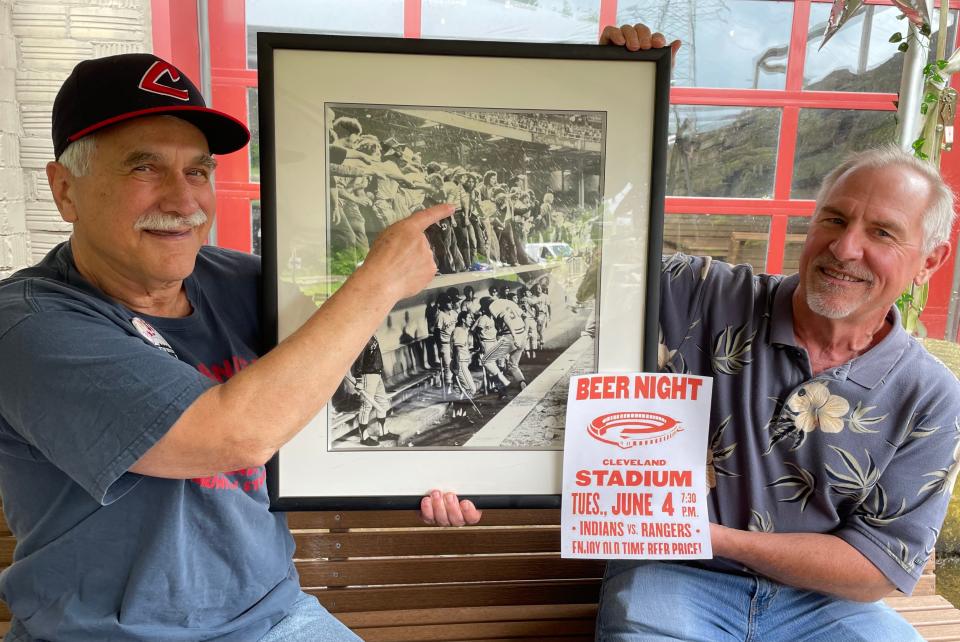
(903,604)
(341,520)
(447,569)
(430,541)
(510,613)
(458,595)
(938,616)
(939,633)
(926,585)
(7,544)
(479,631)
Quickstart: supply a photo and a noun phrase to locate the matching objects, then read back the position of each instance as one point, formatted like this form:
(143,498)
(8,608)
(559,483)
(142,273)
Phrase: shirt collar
(870,368)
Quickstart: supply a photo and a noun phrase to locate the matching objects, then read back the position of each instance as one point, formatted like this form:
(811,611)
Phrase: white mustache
(847,268)
(169,222)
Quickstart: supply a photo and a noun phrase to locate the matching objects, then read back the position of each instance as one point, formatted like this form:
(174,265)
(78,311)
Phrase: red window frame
(175,38)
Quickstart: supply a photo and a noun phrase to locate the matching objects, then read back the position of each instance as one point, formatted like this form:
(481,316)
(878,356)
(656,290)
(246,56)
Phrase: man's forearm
(813,561)
(245,420)
(241,423)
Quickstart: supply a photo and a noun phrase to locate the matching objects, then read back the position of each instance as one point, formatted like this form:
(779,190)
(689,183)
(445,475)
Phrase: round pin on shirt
(153,337)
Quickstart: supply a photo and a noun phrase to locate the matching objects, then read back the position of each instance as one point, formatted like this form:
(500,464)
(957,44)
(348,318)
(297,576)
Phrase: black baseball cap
(106,91)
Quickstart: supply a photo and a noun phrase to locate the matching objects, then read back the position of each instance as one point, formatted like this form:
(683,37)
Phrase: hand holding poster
(634,467)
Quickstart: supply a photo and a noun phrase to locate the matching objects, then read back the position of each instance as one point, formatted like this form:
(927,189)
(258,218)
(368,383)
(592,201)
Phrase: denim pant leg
(659,601)
(309,622)
(815,617)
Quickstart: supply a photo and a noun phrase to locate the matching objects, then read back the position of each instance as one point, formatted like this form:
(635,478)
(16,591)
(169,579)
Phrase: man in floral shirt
(834,435)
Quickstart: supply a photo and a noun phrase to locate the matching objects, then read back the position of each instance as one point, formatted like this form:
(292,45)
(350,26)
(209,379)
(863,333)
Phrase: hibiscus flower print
(814,407)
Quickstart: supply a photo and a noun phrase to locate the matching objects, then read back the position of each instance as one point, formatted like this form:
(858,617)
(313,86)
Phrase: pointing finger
(425,218)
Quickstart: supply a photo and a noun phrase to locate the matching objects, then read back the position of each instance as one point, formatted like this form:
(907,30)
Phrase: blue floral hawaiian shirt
(867,451)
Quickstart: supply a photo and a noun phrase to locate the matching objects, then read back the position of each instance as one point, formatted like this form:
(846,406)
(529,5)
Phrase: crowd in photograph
(380,182)
(573,127)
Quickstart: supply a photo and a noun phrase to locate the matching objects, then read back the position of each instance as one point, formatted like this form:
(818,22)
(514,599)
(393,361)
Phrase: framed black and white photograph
(554,158)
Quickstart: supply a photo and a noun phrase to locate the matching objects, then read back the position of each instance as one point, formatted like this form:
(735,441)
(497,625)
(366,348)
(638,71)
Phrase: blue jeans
(654,601)
(309,622)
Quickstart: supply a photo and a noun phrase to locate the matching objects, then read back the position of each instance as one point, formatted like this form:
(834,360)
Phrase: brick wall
(40,42)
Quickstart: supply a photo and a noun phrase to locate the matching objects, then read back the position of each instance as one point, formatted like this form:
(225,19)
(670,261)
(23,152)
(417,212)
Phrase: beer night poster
(634,468)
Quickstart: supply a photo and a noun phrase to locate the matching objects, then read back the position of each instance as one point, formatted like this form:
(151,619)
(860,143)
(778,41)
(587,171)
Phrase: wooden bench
(391,579)
(724,238)
(738,239)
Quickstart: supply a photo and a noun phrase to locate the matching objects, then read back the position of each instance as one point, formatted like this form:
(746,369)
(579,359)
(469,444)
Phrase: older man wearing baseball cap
(137,406)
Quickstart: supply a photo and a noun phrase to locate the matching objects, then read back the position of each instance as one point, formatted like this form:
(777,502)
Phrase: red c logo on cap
(150,81)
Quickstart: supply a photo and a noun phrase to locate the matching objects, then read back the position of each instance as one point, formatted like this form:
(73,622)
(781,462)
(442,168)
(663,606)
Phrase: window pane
(722,151)
(341,17)
(826,136)
(735,239)
(253,122)
(255,227)
(726,43)
(796,232)
(525,20)
(860,56)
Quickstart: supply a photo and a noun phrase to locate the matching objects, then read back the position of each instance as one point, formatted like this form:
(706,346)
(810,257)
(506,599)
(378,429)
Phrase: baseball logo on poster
(634,469)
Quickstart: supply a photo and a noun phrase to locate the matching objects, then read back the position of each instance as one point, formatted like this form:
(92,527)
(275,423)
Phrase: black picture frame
(524,85)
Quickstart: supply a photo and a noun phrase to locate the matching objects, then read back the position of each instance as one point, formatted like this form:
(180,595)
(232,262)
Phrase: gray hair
(938,219)
(78,156)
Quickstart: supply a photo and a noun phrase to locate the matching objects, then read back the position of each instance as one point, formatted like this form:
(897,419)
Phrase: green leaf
(923,109)
(918,144)
(897,37)
(927,69)
(937,78)
(730,350)
(925,29)
(930,97)
(941,64)
(921,155)
(903,46)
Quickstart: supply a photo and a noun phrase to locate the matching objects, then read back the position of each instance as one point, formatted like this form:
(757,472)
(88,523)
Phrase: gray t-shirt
(866,451)
(102,553)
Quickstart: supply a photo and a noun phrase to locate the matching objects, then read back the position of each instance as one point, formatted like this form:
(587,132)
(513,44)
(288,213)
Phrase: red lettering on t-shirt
(220,372)
(248,479)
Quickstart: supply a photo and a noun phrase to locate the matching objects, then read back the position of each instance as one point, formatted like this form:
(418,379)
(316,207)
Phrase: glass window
(255,227)
(860,56)
(253,122)
(826,136)
(339,17)
(796,233)
(726,43)
(524,20)
(722,151)
(735,239)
